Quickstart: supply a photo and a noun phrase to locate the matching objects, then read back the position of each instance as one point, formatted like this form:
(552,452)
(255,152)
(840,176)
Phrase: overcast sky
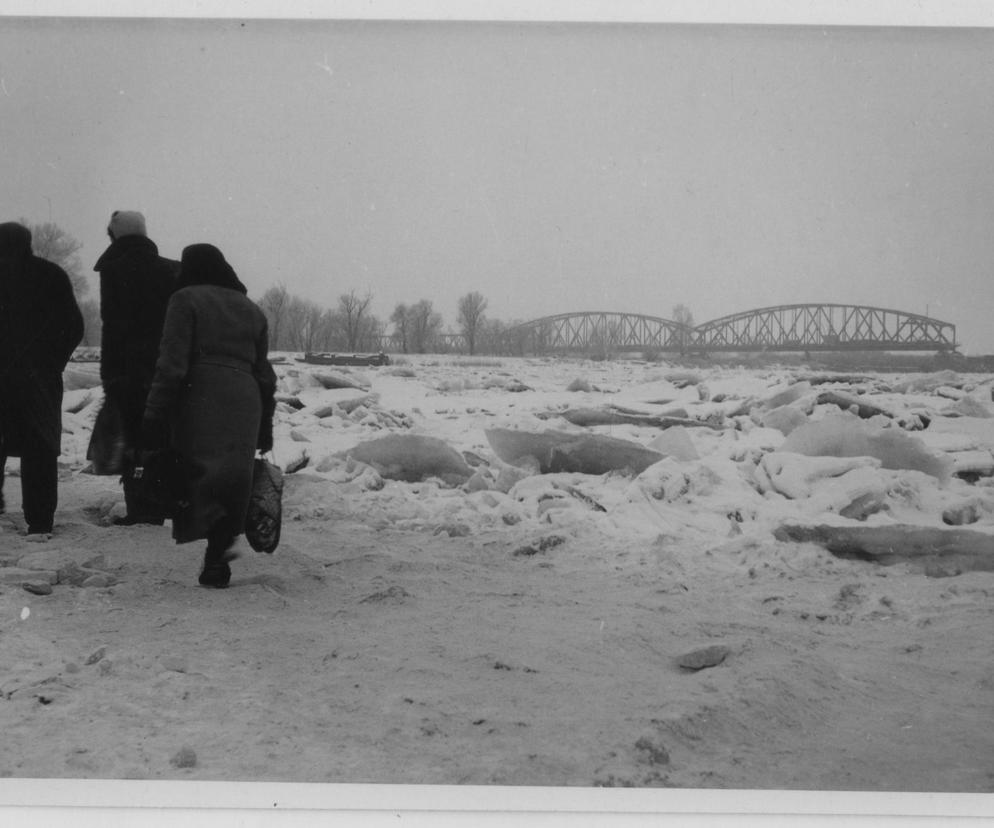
(552,167)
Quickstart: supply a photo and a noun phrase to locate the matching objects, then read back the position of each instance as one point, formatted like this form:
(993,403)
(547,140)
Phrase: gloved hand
(155,433)
(265,442)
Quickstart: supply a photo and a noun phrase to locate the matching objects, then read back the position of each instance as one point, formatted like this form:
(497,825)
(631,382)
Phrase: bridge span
(798,327)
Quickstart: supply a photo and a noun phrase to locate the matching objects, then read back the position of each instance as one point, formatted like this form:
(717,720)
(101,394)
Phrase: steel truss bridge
(800,327)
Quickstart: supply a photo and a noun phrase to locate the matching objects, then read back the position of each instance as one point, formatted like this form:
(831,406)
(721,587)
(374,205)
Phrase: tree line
(299,324)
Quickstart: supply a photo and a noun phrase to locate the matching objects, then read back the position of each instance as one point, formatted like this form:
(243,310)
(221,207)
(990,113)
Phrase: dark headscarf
(15,240)
(204,264)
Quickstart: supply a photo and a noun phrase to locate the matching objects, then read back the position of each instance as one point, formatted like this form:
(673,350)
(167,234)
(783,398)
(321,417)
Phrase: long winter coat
(40,325)
(135,286)
(212,382)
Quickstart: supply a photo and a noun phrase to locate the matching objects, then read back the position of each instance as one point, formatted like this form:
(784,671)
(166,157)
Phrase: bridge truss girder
(798,327)
(598,330)
(824,327)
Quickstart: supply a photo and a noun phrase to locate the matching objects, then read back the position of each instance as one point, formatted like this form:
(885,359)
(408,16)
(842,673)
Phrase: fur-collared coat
(212,383)
(40,326)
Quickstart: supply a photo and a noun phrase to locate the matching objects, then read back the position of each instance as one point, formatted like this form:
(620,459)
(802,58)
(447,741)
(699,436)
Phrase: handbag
(107,448)
(265,512)
(160,481)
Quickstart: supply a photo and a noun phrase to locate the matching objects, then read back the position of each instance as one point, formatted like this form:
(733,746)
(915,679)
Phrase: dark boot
(216,572)
(39,487)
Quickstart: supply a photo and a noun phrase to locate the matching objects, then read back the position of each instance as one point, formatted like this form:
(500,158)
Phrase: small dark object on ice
(185,757)
(394,594)
(654,753)
(541,545)
(705,657)
(96,656)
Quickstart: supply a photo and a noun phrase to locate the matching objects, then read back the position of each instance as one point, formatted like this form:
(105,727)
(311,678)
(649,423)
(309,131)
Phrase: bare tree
(274,304)
(49,241)
(604,339)
(401,327)
(351,308)
(470,318)
(682,314)
(518,338)
(329,333)
(370,333)
(424,324)
(302,320)
(492,336)
(307,316)
(298,324)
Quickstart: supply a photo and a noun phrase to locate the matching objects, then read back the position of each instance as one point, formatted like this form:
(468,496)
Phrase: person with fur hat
(212,402)
(40,326)
(135,286)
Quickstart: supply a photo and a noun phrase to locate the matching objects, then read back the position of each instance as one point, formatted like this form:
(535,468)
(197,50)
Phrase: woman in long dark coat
(213,394)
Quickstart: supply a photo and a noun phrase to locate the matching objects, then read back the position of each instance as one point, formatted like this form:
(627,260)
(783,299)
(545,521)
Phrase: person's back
(135,286)
(212,402)
(40,325)
(230,323)
(41,322)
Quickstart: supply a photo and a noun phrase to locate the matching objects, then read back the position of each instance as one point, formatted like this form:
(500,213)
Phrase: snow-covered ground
(511,571)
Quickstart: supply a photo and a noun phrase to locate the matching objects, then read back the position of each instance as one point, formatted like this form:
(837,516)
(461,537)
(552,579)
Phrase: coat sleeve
(266,377)
(69,328)
(111,330)
(175,352)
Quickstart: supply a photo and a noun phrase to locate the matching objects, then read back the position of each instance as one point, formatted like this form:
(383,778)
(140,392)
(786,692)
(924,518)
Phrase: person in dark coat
(40,326)
(135,286)
(212,400)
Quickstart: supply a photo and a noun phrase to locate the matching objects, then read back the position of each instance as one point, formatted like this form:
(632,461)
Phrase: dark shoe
(215,575)
(131,520)
(216,572)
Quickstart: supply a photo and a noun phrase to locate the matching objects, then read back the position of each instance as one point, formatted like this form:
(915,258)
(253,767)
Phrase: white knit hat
(126,223)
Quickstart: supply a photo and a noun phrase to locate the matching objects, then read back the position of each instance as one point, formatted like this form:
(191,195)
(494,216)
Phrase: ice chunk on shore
(784,418)
(844,435)
(562,451)
(928,383)
(411,457)
(796,475)
(933,550)
(675,442)
(781,396)
(970,406)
